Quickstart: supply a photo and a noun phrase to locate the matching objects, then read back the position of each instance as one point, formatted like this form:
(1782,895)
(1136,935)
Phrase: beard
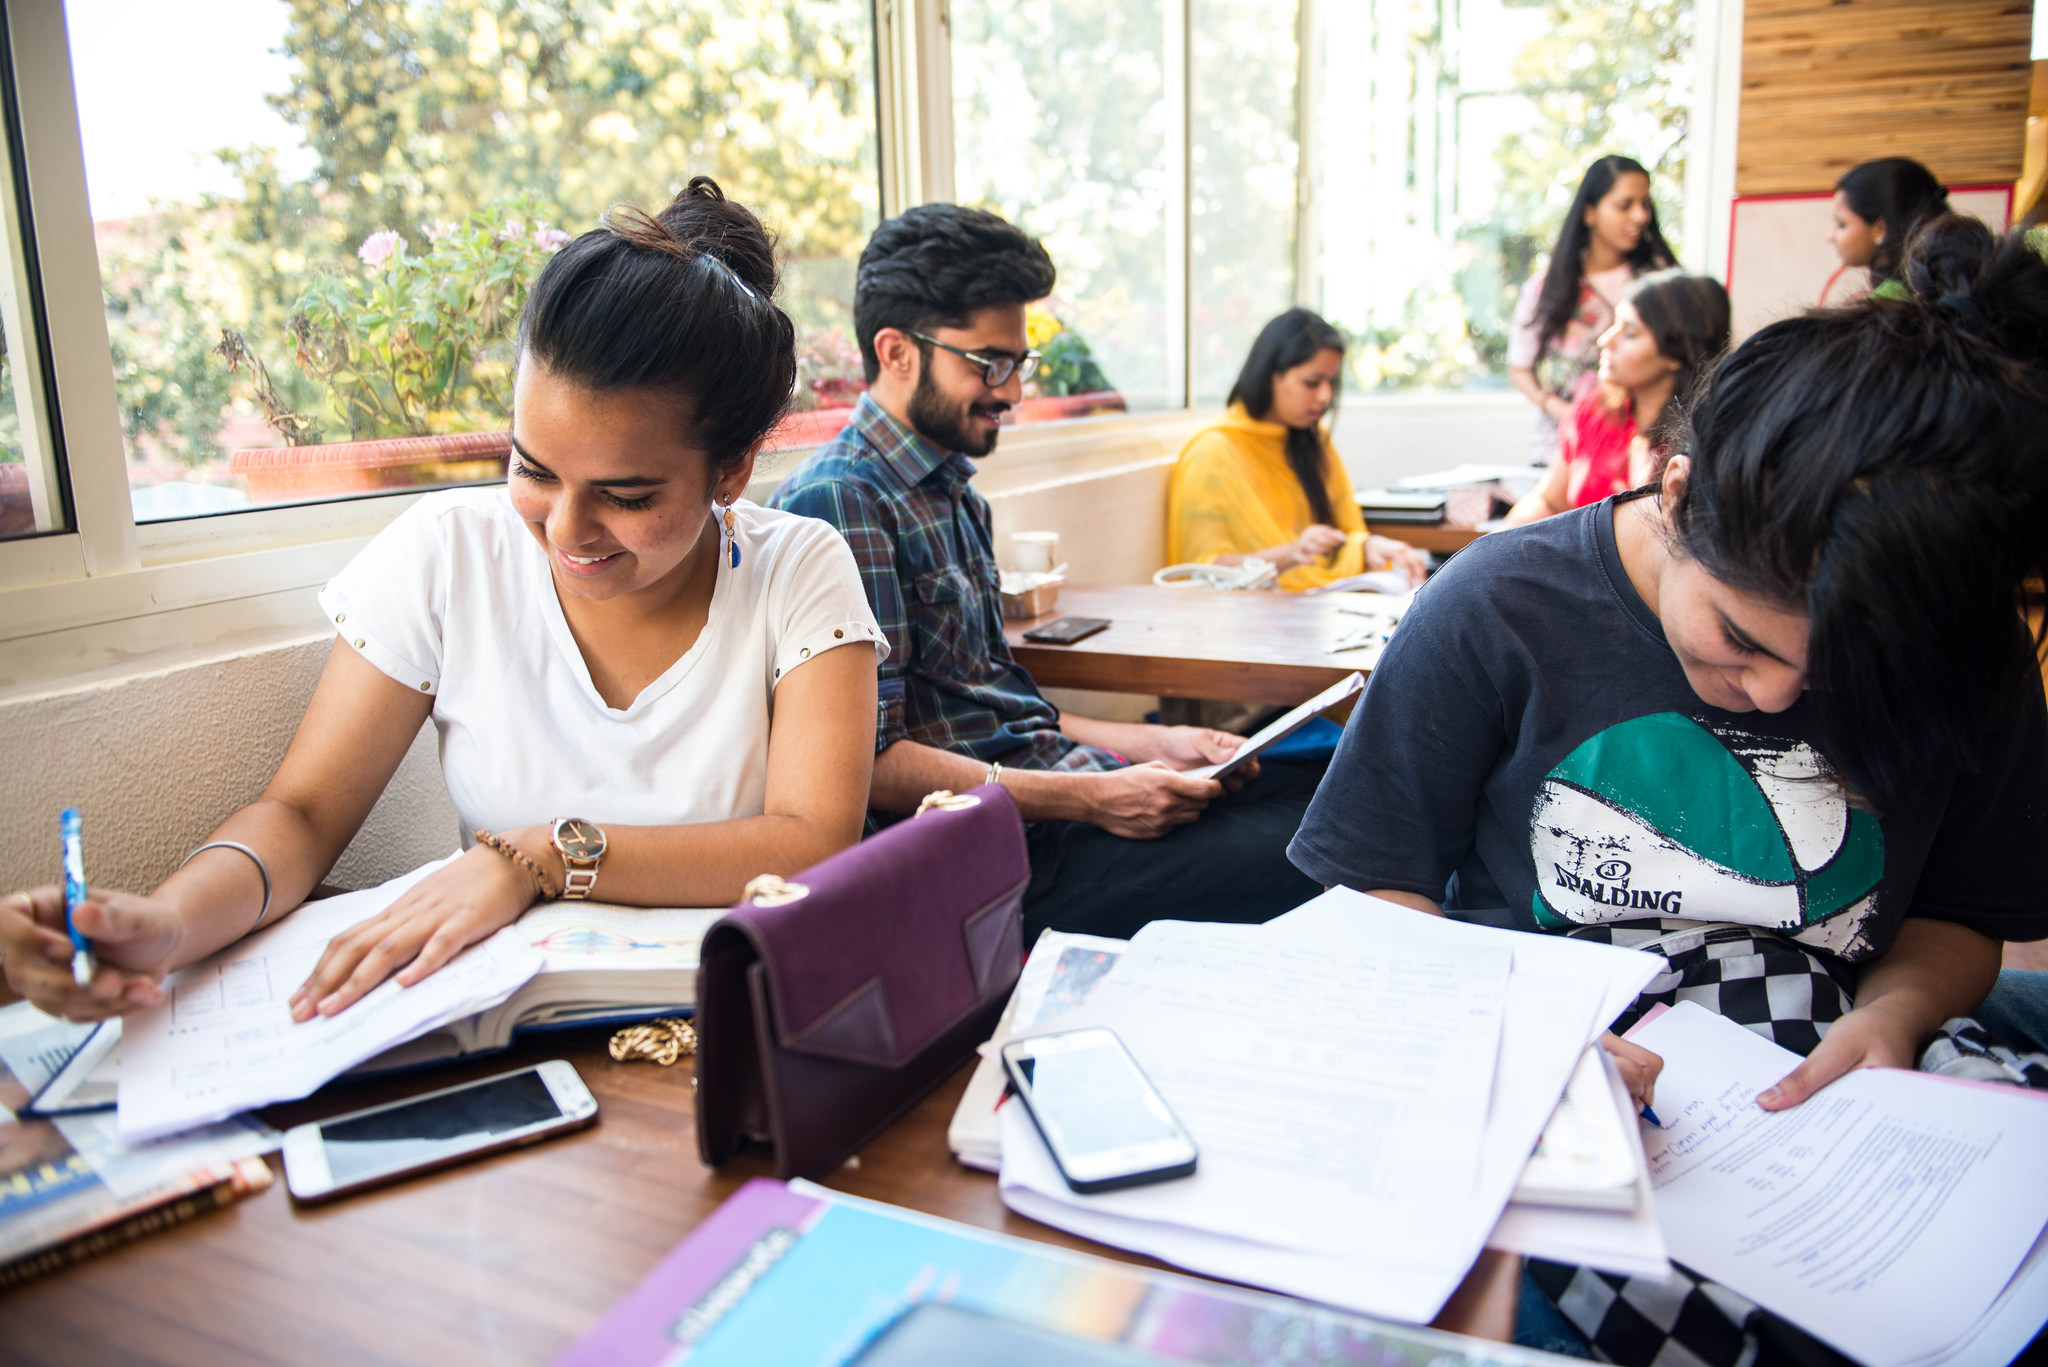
(949,424)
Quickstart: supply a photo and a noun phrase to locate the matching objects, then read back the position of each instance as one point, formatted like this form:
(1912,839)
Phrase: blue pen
(74,894)
(1651,1116)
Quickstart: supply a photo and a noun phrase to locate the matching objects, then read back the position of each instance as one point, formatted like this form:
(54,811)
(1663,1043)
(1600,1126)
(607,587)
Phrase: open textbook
(1894,1215)
(601,963)
(224,1042)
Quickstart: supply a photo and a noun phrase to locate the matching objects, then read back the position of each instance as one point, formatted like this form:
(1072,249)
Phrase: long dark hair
(1559,301)
(1290,340)
(1687,316)
(1902,193)
(681,301)
(1884,467)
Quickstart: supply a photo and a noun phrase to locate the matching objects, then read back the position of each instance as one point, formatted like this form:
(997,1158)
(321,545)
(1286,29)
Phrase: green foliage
(425,112)
(419,343)
(10,418)
(1609,76)
(426,109)
(162,283)
(1069,367)
(1431,346)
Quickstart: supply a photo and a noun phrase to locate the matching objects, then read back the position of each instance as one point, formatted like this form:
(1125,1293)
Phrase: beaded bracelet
(548,891)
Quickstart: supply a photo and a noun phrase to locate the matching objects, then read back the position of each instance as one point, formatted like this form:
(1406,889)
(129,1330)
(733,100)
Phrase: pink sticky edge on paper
(1659,1009)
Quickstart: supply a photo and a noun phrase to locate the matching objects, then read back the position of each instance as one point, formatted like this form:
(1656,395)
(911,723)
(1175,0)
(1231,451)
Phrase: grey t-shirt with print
(1529,742)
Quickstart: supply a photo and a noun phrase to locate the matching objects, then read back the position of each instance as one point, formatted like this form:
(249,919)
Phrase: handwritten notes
(224,1041)
(1884,1215)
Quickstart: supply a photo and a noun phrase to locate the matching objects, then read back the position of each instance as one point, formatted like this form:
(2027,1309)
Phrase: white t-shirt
(455,598)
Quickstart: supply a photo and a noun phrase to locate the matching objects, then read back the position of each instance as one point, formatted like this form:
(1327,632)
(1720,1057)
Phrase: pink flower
(512,231)
(438,229)
(550,239)
(380,247)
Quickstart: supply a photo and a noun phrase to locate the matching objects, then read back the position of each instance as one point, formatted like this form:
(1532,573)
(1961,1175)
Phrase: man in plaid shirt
(1119,835)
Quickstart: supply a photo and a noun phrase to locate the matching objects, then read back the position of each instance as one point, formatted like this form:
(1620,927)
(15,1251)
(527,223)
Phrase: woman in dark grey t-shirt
(1777,718)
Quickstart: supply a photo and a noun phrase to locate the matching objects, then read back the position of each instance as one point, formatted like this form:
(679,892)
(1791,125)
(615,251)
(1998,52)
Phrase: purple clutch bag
(830,1005)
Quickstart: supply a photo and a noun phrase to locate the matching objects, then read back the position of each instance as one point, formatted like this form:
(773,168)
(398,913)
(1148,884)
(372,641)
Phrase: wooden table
(1267,647)
(503,1260)
(1439,537)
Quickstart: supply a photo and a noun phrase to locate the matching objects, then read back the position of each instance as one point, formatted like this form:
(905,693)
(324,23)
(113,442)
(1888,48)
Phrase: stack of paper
(1365,1084)
(224,1041)
(1898,1216)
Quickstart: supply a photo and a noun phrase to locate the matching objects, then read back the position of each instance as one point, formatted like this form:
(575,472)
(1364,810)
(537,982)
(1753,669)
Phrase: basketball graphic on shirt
(1662,817)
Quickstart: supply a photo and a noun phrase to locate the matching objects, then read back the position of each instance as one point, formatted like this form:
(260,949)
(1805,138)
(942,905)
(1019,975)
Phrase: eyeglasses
(995,370)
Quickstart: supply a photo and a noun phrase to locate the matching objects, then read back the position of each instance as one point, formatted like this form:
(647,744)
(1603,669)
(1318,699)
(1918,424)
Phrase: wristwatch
(581,844)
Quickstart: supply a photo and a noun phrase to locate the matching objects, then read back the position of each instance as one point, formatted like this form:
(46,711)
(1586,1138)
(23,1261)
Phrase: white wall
(156,760)
(1385,438)
(162,730)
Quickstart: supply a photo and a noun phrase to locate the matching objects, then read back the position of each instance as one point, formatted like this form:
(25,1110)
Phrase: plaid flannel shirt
(924,543)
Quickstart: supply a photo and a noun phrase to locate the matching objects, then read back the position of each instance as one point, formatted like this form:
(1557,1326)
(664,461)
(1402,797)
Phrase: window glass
(317,222)
(1451,137)
(33,496)
(1060,124)
(1245,157)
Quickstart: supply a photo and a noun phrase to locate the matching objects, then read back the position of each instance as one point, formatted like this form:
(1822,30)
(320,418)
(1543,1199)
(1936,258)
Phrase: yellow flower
(1040,326)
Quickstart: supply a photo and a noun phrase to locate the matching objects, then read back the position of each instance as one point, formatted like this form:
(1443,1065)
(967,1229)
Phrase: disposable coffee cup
(1035,552)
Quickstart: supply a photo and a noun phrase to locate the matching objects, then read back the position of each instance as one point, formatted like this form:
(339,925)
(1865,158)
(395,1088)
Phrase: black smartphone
(1066,630)
(1103,1120)
(364,1148)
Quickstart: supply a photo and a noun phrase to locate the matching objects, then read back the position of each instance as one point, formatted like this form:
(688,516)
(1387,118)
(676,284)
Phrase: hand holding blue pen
(69,832)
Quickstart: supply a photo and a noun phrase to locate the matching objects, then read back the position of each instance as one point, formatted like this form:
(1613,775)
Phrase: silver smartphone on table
(1102,1119)
(381,1143)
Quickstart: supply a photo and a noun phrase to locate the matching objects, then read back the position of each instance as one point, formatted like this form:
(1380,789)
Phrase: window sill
(235,579)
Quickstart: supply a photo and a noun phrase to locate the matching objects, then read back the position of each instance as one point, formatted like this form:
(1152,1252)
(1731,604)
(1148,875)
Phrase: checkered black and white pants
(1788,995)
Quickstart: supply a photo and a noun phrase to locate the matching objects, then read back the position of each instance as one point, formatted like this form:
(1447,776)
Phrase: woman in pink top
(1668,328)
(1610,237)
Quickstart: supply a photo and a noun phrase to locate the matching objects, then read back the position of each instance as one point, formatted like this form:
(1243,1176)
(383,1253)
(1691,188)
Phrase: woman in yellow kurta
(1266,482)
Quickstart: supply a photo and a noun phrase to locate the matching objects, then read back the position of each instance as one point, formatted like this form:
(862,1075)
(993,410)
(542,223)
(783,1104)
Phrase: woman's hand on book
(134,940)
(435,920)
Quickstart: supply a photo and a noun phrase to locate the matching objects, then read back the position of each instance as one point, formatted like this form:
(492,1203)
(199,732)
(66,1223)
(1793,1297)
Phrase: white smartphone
(363,1148)
(1103,1120)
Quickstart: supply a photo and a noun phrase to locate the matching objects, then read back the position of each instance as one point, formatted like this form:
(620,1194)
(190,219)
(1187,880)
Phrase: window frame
(109,573)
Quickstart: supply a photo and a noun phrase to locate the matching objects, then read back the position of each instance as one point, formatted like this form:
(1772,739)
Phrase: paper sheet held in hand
(1884,1215)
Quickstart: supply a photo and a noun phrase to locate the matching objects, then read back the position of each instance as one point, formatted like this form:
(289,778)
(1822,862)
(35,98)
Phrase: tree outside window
(355,270)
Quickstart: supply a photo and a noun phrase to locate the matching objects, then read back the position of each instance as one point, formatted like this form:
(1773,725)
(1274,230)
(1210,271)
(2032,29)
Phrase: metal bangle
(261,868)
(995,773)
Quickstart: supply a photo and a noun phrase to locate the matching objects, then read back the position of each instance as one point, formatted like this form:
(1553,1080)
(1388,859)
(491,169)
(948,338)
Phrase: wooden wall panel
(1826,85)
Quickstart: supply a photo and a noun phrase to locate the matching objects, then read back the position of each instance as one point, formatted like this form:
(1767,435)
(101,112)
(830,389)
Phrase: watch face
(579,839)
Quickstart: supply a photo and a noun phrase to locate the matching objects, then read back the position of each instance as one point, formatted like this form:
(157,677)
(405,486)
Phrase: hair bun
(709,224)
(1981,284)
(681,300)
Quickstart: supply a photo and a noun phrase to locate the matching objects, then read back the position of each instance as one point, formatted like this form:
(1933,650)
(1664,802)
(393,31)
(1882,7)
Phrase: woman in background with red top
(1668,328)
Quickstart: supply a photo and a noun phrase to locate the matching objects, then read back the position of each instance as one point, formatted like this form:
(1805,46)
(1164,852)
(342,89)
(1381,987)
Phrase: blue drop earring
(732,537)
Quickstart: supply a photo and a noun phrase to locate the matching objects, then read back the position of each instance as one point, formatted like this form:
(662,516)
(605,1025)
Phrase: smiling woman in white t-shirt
(638,680)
